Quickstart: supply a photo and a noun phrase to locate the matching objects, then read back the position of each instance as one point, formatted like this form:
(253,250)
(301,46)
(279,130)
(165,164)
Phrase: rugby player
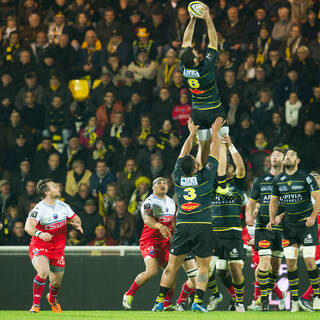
(201,80)
(268,244)
(47,224)
(294,188)
(227,225)
(306,298)
(193,228)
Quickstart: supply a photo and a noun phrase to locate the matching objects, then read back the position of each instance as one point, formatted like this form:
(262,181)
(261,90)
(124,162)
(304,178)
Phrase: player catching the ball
(47,224)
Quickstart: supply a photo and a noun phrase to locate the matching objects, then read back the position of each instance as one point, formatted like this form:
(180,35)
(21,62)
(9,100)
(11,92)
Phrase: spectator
(162,108)
(114,68)
(40,46)
(20,177)
(299,9)
(79,199)
(126,179)
(129,87)
(121,224)
(247,69)
(6,108)
(12,48)
(7,86)
(30,85)
(73,151)
(281,29)
(159,30)
(292,109)
(28,7)
(30,31)
(90,219)
(18,237)
(229,85)
(28,196)
(144,42)
(7,197)
(100,178)
(108,201)
(166,69)
(106,111)
(164,134)
(72,238)
(143,131)
(78,175)
(101,151)
(130,27)
(177,84)
(54,170)
(90,133)
(156,168)
(275,66)
(57,7)
(11,26)
(314,47)
(310,28)
(113,132)
(234,109)
(134,109)
(293,43)
(58,121)
(41,157)
(101,237)
(172,151)
(314,107)
(81,26)
(307,143)
(225,64)
(10,216)
(57,28)
(278,133)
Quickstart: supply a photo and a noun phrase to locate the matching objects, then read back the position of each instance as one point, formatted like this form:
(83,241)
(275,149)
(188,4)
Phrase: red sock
(53,292)
(38,287)
(277,291)
(185,292)
(232,292)
(132,291)
(257,293)
(168,298)
(308,294)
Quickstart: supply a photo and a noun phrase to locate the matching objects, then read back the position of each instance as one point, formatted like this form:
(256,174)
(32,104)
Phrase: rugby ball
(196,8)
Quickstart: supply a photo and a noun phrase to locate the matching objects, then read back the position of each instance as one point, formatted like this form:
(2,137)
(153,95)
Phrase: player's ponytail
(42,187)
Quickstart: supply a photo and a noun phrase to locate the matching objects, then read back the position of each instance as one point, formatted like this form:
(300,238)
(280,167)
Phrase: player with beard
(293,188)
(268,244)
(47,224)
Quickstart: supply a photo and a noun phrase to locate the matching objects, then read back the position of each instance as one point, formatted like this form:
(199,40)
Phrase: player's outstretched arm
(31,229)
(187,146)
(236,157)
(212,33)
(148,219)
(188,34)
(215,140)
(222,166)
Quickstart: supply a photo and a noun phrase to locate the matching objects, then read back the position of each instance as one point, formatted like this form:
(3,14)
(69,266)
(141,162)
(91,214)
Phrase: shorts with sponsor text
(155,250)
(55,256)
(265,239)
(228,248)
(299,233)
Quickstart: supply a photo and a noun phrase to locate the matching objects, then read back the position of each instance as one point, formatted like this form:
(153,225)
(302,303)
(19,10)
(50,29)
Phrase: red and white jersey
(163,211)
(51,219)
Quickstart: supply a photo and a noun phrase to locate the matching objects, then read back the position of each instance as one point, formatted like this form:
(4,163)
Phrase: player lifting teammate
(201,80)
(47,224)
(268,244)
(294,188)
(193,229)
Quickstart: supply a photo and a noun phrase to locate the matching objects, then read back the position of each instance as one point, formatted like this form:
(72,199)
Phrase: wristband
(233,149)
(37,233)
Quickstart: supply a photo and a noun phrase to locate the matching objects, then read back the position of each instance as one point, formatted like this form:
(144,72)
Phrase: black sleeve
(211,58)
(275,190)
(311,183)
(211,168)
(255,192)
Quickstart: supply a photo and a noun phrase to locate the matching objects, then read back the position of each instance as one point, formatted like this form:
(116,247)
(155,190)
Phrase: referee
(294,188)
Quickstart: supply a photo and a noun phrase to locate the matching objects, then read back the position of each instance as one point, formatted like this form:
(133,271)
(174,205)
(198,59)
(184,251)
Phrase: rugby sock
(162,293)
(273,276)
(308,294)
(314,280)
(168,298)
(239,289)
(293,278)
(212,285)
(263,280)
(185,292)
(38,287)
(257,292)
(198,297)
(53,292)
(278,292)
(133,289)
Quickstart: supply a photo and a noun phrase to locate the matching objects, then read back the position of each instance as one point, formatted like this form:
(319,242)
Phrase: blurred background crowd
(91,95)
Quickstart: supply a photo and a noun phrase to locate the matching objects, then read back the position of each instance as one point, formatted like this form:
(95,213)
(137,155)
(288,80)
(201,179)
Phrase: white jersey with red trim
(51,219)
(163,211)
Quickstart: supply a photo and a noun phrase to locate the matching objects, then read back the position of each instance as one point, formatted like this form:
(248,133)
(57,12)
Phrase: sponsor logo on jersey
(267,178)
(297,187)
(190,206)
(283,189)
(189,73)
(266,188)
(283,178)
(190,181)
(285,242)
(264,244)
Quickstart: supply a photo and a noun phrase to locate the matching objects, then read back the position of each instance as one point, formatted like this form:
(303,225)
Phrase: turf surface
(148,315)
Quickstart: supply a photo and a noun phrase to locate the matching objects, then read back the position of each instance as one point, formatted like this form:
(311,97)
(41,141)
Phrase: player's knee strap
(236,261)
(223,131)
(277,254)
(213,262)
(264,252)
(290,252)
(309,252)
(222,264)
(191,273)
(204,134)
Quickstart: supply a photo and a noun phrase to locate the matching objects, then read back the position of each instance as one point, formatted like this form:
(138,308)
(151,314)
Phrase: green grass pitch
(148,315)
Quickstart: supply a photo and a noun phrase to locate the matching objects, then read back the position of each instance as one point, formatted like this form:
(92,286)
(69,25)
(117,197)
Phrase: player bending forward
(158,212)
(47,224)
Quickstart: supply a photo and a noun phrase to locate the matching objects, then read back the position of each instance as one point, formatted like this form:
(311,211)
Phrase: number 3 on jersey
(191,194)
(193,83)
